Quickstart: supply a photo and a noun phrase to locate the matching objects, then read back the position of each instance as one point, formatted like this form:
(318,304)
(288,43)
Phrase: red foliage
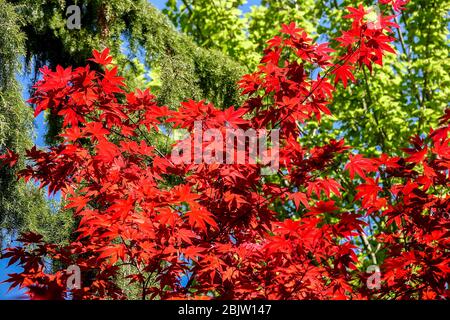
(216,226)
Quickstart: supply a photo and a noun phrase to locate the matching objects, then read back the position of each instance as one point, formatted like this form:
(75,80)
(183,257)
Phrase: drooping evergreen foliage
(140,37)
(22,206)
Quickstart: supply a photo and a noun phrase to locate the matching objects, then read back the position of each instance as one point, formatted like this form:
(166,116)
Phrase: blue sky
(4,294)
(4,270)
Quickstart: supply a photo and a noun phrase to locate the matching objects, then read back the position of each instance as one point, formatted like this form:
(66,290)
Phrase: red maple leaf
(344,73)
(103,58)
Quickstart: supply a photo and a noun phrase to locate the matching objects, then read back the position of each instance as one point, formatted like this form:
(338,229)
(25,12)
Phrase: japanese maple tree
(208,230)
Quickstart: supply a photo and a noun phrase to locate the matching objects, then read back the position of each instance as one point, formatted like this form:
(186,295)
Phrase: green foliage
(410,91)
(221,24)
(22,207)
(379,113)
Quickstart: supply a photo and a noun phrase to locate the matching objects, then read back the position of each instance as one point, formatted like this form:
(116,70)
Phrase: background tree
(144,42)
(379,115)
(22,206)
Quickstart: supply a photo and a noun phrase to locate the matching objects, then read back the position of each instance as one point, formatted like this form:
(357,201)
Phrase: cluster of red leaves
(413,198)
(214,230)
(397,5)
